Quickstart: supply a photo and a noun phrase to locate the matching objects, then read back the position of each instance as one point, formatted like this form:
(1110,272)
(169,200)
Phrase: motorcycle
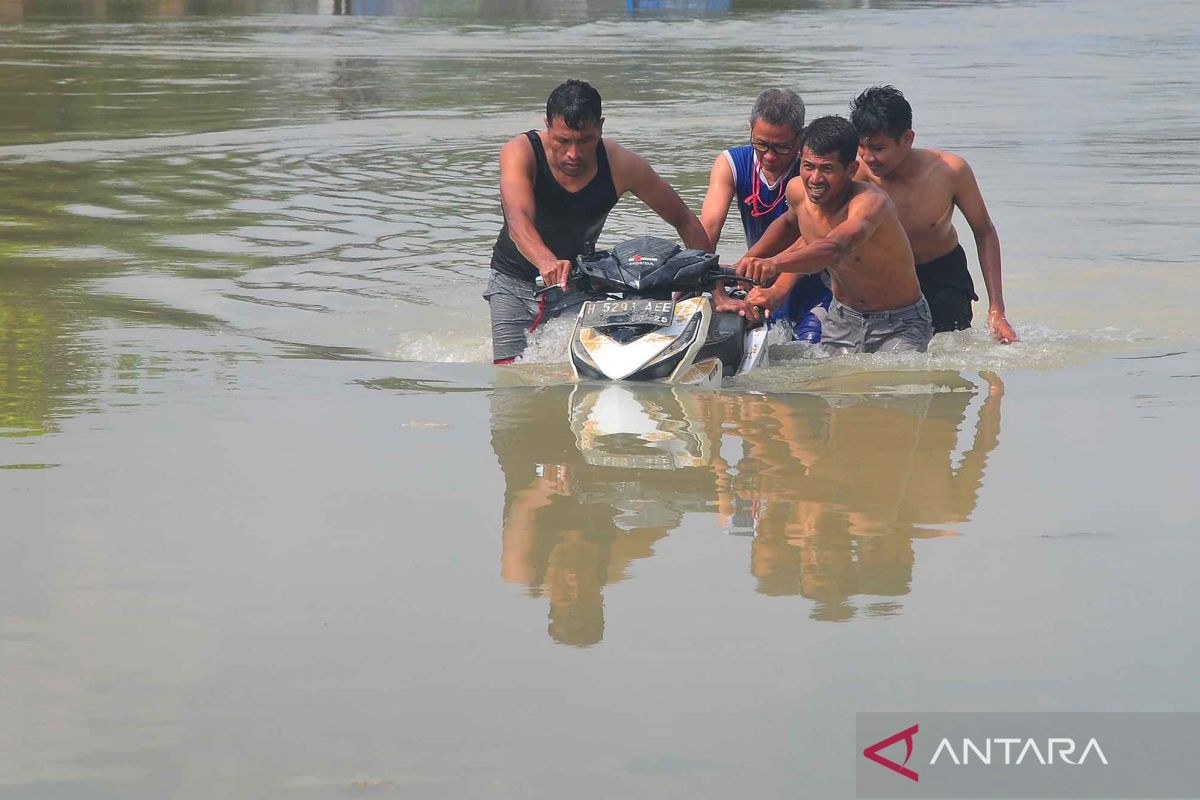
(636,330)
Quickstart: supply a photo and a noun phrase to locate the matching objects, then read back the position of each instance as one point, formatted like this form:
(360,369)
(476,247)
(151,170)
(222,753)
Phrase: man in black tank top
(557,187)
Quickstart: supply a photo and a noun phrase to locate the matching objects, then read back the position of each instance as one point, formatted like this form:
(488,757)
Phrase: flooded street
(271,524)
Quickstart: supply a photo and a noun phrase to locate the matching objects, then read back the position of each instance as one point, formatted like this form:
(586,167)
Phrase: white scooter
(636,331)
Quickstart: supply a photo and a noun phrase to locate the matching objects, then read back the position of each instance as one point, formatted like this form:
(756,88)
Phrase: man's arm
(867,209)
(631,173)
(781,234)
(517,170)
(713,214)
(518,555)
(772,297)
(987,436)
(721,190)
(969,200)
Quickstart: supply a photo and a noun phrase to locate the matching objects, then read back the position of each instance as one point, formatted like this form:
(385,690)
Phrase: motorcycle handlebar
(720,274)
(730,274)
(540,285)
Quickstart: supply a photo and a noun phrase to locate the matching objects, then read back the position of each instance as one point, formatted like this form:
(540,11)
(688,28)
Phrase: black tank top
(568,222)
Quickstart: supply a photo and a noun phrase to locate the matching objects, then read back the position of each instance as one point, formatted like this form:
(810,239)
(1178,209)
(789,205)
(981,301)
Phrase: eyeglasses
(778,149)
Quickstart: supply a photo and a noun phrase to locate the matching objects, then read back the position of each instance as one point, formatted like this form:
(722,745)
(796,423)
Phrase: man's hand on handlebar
(769,299)
(762,270)
(723,301)
(555,273)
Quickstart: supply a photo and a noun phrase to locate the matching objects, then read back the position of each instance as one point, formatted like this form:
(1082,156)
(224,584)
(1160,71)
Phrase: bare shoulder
(947,162)
(629,170)
(868,197)
(794,191)
(518,142)
(721,178)
(864,175)
(622,160)
(721,163)
(518,149)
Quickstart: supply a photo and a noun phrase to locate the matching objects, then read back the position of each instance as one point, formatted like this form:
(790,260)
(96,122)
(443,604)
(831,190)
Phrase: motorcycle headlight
(683,342)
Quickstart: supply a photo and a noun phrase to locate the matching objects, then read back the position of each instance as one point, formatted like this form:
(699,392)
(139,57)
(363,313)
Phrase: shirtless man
(926,186)
(851,229)
(557,187)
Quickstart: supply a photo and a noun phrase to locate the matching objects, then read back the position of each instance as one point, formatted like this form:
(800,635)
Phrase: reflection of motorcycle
(639,332)
(644,427)
(624,429)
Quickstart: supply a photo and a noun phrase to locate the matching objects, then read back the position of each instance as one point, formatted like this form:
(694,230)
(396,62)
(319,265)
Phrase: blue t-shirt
(810,291)
(743,161)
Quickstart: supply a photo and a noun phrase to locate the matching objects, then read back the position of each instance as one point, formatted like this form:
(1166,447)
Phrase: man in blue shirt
(756,176)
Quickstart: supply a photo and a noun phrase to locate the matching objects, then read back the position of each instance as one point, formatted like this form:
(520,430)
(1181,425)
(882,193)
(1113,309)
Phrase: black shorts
(947,285)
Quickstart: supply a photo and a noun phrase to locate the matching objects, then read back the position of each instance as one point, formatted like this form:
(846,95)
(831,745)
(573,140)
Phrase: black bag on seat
(649,267)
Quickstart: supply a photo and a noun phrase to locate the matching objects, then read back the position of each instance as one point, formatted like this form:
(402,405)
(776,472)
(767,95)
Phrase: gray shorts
(514,309)
(897,330)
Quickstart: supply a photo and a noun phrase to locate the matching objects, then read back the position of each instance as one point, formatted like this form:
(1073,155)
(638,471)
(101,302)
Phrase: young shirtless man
(851,229)
(926,186)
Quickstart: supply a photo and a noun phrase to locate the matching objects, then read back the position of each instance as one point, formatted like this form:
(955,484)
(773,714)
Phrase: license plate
(661,461)
(597,313)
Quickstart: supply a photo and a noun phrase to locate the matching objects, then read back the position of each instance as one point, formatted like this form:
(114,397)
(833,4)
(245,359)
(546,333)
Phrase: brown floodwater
(272,526)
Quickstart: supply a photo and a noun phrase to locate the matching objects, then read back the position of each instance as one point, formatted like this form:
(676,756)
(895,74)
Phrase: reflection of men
(557,187)
(845,485)
(757,175)
(547,544)
(926,186)
(565,534)
(851,228)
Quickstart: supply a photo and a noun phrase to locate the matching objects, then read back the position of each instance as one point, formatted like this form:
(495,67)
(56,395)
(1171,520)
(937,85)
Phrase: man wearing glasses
(757,175)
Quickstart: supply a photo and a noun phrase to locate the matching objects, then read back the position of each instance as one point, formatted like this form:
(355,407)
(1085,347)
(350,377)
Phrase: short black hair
(576,103)
(881,109)
(832,135)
